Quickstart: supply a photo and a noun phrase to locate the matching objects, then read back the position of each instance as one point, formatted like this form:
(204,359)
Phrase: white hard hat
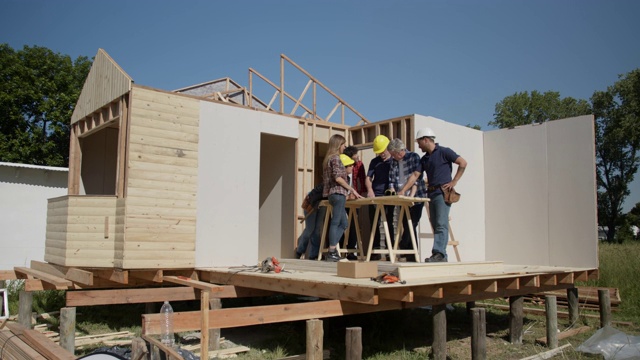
(425,132)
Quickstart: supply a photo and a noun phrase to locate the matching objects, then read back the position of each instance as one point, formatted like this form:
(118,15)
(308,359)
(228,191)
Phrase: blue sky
(450,59)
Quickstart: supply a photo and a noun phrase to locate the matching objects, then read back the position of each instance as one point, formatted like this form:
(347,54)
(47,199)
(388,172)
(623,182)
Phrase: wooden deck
(424,284)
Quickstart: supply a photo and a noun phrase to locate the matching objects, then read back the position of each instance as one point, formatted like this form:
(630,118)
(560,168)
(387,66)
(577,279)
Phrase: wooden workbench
(404,202)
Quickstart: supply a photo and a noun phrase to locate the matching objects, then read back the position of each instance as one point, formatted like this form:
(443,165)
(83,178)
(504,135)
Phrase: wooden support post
(353,343)
(479,334)
(605,307)
(550,305)
(204,328)
(439,346)
(315,335)
(572,301)
(214,334)
(516,315)
(139,349)
(68,329)
(25,304)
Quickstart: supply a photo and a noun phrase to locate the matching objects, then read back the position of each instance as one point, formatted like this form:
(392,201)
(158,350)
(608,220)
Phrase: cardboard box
(357,269)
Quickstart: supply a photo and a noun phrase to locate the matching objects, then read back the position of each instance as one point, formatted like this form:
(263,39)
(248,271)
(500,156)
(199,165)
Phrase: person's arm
(369,185)
(410,182)
(342,182)
(462,166)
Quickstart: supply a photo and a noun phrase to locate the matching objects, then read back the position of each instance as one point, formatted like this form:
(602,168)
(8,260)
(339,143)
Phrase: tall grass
(620,268)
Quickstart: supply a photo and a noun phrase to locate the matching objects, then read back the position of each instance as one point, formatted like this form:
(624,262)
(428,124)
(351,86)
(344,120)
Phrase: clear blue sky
(450,59)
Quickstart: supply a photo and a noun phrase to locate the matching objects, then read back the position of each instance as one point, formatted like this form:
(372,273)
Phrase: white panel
(572,193)
(541,194)
(467,216)
(23,212)
(227,230)
(516,190)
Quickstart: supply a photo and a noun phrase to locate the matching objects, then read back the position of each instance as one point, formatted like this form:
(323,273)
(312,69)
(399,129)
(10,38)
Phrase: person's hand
(355,194)
(449,185)
(370,194)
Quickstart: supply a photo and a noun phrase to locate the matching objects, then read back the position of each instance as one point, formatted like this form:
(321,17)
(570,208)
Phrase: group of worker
(394,170)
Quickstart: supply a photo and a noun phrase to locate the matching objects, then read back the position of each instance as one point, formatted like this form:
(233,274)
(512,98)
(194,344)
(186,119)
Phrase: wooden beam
(398,293)
(115,275)
(268,314)
(8,275)
(58,282)
(181,280)
(74,274)
(148,275)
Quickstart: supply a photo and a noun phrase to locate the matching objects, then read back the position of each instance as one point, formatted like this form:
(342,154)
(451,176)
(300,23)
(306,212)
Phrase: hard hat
(425,132)
(346,160)
(380,144)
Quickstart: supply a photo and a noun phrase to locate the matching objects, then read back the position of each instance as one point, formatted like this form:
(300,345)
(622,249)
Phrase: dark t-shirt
(438,167)
(379,174)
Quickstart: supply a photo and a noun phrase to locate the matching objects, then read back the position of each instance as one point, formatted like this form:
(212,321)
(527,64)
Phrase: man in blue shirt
(437,164)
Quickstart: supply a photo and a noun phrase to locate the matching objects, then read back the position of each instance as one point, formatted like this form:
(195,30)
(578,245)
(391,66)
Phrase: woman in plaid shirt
(336,188)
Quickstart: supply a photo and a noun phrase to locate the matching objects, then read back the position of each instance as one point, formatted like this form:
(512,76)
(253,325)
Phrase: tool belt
(450,195)
(433,188)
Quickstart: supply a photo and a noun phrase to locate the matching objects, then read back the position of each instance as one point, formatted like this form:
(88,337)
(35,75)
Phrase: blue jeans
(338,218)
(439,218)
(312,232)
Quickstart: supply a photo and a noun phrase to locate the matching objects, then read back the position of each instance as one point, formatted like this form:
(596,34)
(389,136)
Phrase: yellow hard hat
(380,144)
(346,160)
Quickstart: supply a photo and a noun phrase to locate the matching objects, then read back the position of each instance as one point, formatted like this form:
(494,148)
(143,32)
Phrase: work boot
(333,256)
(437,257)
(298,254)
(375,257)
(352,256)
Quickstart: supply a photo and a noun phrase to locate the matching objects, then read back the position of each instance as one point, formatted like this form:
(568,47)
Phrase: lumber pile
(587,298)
(20,343)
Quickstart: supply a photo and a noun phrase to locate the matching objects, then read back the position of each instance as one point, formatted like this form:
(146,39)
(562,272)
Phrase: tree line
(39,89)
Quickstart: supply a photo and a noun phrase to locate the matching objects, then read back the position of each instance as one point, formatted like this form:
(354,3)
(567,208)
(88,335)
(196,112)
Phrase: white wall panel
(467,216)
(227,230)
(23,211)
(516,190)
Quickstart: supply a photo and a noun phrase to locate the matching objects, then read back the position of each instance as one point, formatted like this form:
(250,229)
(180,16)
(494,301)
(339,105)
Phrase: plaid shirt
(330,173)
(411,165)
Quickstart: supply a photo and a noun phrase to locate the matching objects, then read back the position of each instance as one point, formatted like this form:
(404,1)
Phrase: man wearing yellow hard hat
(377,182)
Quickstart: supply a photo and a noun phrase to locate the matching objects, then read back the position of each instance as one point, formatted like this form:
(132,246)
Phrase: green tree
(617,112)
(38,91)
(523,108)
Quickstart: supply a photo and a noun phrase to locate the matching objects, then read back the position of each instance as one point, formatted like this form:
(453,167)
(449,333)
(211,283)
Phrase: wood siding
(159,213)
(106,81)
(81,231)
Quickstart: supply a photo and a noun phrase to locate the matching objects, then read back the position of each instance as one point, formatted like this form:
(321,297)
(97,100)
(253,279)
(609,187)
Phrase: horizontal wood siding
(159,225)
(76,231)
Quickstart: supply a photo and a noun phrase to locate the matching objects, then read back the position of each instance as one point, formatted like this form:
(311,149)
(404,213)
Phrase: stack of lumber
(587,298)
(19,343)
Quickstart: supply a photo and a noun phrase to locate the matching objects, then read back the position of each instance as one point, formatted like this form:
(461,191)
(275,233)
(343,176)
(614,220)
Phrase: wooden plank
(41,343)
(565,334)
(397,293)
(181,280)
(429,270)
(115,275)
(73,274)
(149,275)
(268,314)
(58,282)
(8,275)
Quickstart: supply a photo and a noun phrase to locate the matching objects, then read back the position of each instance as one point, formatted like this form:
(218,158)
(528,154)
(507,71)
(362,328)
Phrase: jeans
(416,213)
(439,218)
(388,210)
(338,218)
(312,232)
(352,242)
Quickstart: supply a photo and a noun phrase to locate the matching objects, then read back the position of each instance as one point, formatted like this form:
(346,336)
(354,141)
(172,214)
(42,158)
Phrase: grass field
(390,335)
